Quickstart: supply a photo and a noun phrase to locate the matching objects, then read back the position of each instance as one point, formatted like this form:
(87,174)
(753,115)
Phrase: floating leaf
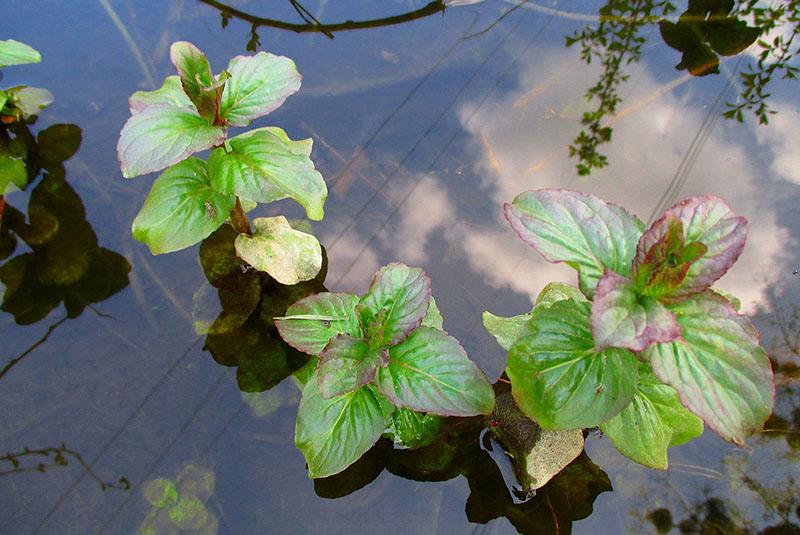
(709,221)
(181,208)
(345,364)
(395,304)
(258,85)
(654,421)
(196,78)
(430,372)
(160,492)
(30,100)
(333,433)
(264,165)
(287,255)
(170,93)
(15,53)
(579,229)
(162,135)
(189,513)
(622,318)
(719,370)
(312,322)
(410,429)
(559,379)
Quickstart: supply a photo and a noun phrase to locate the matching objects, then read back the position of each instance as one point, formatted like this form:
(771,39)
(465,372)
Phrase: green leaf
(181,209)
(717,366)
(433,318)
(30,100)
(160,492)
(559,379)
(582,230)
(287,255)
(258,85)
(410,429)
(622,318)
(346,363)
(264,165)
(506,330)
(3,99)
(654,421)
(16,53)
(558,291)
(430,372)
(170,93)
(310,323)
(189,513)
(162,135)
(333,433)
(197,80)
(13,173)
(395,304)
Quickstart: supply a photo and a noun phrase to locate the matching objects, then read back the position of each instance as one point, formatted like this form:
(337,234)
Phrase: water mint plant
(20,102)
(646,349)
(377,355)
(192,112)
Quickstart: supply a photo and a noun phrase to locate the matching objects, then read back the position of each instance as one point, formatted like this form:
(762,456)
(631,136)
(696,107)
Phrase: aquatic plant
(646,349)
(21,102)
(180,505)
(192,112)
(376,355)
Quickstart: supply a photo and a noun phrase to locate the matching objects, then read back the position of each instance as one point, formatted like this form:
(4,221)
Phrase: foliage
(19,103)
(376,355)
(648,346)
(180,505)
(192,112)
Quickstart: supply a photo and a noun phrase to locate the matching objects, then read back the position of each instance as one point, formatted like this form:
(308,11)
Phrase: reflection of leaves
(243,334)
(66,263)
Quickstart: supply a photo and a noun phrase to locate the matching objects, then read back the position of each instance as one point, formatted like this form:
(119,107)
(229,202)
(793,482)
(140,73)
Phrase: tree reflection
(706,30)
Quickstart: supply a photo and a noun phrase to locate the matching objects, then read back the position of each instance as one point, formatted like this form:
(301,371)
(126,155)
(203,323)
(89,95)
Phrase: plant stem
(239,219)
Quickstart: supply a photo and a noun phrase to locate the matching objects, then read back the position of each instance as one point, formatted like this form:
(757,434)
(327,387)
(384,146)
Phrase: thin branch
(39,342)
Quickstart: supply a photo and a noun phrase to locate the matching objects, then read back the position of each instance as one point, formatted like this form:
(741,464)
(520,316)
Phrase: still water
(425,121)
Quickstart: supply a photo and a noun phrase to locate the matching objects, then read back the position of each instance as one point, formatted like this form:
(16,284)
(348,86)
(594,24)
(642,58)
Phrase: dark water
(422,130)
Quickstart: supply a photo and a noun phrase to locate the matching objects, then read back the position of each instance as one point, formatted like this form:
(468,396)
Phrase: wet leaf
(170,93)
(162,135)
(333,433)
(654,421)
(579,229)
(310,323)
(264,165)
(410,429)
(175,214)
(287,255)
(559,379)
(622,318)
(258,85)
(430,372)
(709,221)
(395,304)
(196,78)
(15,53)
(346,363)
(160,492)
(719,370)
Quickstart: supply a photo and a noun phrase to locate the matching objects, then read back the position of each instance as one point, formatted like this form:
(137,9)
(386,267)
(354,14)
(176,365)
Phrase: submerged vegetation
(646,349)
(192,112)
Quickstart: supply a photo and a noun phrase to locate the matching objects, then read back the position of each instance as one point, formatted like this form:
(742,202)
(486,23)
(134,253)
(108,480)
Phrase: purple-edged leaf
(557,376)
(162,135)
(709,221)
(258,85)
(654,421)
(717,366)
(170,93)
(197,80)
(621,318)
(430,372)
(310,323)
(333,433)
(345,364)
(580,229)
(395,305)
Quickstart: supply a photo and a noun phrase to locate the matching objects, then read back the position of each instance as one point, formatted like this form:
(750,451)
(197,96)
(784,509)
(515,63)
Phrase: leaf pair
(378,353)
(651,294)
